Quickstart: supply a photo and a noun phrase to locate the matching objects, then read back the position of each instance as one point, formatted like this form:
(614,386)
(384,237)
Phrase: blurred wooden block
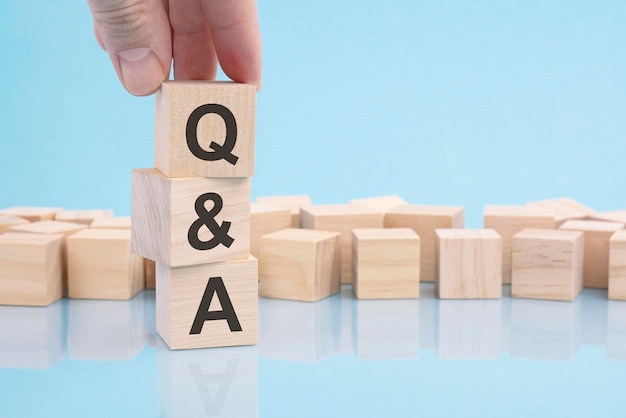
(166,226)
(101,266)
(596,260)
(7,221)
(31,213)
(468,264)
(265,219)
(386,263)
(563,208)
(205,129)
(381,203)
(610,216)
(30,269)
(617,265)
(300,264)
(424,220)
(342,219)
(117,222)
(547,264)
(508,221)
(208,305)
(293,203)
(149,267)
(83,216)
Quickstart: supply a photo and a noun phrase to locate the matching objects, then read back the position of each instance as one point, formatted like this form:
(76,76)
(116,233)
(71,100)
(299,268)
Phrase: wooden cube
(293,203)
(381,203)
(208,305)
(31,213)
(188,221)
(30,269)
(424,220)
(617,265)
(83,216)
(563,209)
(117,222)
(547,264)
(342,219)
(149,268)
(596,259)
(386,263)
(611,216)
(468,264)
(101,266)
(265,219)
(300,264)
(508,221)
(7,221)
(205,129)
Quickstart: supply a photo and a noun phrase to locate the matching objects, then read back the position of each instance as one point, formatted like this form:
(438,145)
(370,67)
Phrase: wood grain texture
(180,291)
(117,222)
(30,269)
(468,264)
(176,101)
(86,216)
(300,264)
(342,219)
(617,265)
(380,203)
(563,208)
(101,265)
(508,221)
(386,263)
(293,203)
(596,259)
(7,221)
(163,211)
(547,264)
(31,213)
(265,219)
(424,219)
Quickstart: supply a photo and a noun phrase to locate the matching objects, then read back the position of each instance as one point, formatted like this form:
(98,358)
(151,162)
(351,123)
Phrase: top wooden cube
(205,129)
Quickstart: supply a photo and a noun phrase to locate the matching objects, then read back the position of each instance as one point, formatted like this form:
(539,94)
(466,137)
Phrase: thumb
(136,35)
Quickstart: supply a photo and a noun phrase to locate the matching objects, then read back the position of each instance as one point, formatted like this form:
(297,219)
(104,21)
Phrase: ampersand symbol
(219,151)
(207,218)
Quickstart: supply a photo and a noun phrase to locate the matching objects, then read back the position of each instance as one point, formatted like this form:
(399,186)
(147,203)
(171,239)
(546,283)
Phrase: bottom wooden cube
(208,305)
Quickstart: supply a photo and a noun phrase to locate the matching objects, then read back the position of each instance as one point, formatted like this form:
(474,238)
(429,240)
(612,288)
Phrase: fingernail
(141,70)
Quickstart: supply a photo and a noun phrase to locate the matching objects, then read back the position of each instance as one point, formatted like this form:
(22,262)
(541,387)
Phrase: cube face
(386,263)
(617,266)
(7,221)
(563,209)
(205,129)
(265,219)
(380,203)
(118,222)
(469,264)
(547,264)
(208,305)
(293,203)
(85,217)
(31,213)
(180,222)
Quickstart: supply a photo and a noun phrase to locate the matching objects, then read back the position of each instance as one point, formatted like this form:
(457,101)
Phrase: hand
(142,36)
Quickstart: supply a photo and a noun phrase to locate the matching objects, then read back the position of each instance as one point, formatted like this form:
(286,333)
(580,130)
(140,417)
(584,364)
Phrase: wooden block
(596,259)
(386,263)
(342,219)
(468,264)
(7,221)
(83,216)
(610,216)
(424,220)
(117,222)
(617,265)
(547,264)
(300,264)
(149,273)
(265,219)
(167,227)
(101,266)
(205,129)
(30,269)
(508,221)
(208,305)
(381,203)
(293,203)
(563,208)
(31,213)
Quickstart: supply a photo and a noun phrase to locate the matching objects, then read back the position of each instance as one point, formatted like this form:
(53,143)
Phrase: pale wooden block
(342,219)
(547,264)
(164,218)
(386,263)
(83,216)
(204,129)
(596,260)
(265,219)
(101,266)
(424,220)
(380,203)
(31,270)
(7,221)
(610,216)
(300,264)
(149,273)
(563,208)
(468,264)
(508,221)
(293,203)
(208,305)
(117,222)
(617,265)
(31,213)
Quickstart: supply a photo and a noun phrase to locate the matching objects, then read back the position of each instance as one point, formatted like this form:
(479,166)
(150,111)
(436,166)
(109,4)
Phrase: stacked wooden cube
(191,214)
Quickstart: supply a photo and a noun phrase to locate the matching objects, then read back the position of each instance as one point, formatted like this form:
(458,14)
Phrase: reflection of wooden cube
(299,264)
(617,266)
(7,222)
(563,209)
(83,216)
(30,269)
(469,264)
(101,266)
(547,264)
(386,263)
(293,203)
(31,213)
(265,219)
(380,203)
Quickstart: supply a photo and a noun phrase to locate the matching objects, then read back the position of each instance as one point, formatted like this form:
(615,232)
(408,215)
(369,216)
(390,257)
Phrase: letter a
(215,286)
